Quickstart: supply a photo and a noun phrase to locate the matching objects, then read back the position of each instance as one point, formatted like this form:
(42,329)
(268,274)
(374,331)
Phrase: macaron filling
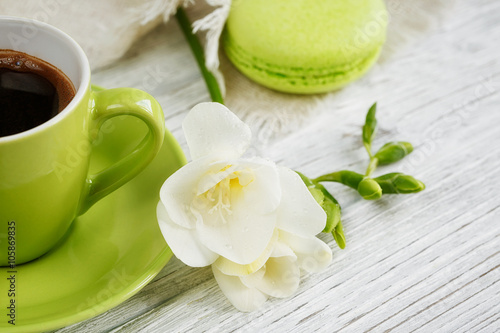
(297,79)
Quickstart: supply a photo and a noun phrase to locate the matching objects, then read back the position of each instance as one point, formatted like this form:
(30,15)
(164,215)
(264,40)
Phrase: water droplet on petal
(229,246)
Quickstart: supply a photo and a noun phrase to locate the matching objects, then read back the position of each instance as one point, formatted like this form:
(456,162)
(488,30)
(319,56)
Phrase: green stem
(346,177)
(306,180)
(331,177)
(368,148)
(194,44)
(372,166)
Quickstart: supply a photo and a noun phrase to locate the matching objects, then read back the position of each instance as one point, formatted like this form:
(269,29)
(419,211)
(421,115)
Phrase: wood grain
(421,263)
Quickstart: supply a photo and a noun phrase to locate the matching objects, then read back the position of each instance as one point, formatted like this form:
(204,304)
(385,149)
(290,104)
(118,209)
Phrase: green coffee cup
(44,180)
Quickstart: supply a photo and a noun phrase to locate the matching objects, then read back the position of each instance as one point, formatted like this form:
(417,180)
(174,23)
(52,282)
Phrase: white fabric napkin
(106,29)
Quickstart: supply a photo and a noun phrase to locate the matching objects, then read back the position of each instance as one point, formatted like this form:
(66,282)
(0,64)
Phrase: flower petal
(298,212)
(264,191)
(231,268)
(179,190)
(243,298)
(184,242)
(256,275)
(282,250)
(281,278)
(242,239)
(212,130)
(210,179)
(313,255)
(242,234)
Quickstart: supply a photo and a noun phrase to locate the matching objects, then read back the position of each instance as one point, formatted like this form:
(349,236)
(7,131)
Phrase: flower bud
(370,127)
(317,195)
(393,151)
(369,189)
(332,211)
(396,182)
(408,184)
(338,235)
(329,204)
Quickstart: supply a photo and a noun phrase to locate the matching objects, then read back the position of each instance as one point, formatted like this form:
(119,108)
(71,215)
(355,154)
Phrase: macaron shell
(304,46)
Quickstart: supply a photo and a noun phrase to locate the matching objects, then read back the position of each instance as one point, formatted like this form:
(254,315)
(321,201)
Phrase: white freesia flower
(253,220)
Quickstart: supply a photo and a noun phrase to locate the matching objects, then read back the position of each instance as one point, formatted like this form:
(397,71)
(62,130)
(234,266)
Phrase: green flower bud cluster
(374,188)
(391,152)
(369,188)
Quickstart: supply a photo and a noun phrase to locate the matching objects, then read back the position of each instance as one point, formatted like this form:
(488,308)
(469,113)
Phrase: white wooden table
(419,263)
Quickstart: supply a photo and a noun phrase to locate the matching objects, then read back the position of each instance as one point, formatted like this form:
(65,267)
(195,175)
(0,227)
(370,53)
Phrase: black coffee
(31,92)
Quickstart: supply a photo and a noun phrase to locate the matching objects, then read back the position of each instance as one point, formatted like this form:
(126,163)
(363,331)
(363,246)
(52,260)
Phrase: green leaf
(399,183)
(393,151)
(370,128)
(338,235)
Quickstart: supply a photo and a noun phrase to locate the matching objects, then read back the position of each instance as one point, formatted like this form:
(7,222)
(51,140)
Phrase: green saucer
(110,252)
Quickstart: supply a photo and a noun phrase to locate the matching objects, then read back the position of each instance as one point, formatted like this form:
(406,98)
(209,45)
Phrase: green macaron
(305,46)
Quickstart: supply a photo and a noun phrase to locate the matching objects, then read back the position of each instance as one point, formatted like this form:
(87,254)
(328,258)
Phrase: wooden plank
(423,263)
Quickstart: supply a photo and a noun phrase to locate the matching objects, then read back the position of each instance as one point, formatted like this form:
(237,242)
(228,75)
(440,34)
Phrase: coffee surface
(32,91)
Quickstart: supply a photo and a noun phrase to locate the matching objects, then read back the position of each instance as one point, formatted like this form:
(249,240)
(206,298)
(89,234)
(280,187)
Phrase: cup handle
(110,103)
